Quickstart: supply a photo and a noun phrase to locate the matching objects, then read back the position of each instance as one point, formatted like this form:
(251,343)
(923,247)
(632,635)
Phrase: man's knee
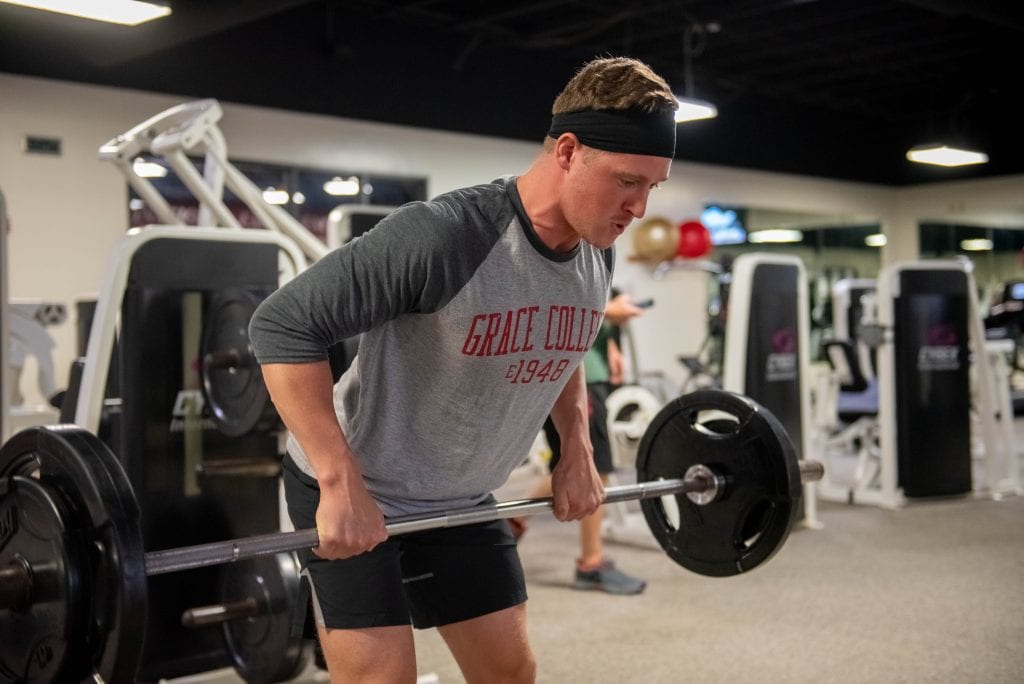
(354,655)
(521,669)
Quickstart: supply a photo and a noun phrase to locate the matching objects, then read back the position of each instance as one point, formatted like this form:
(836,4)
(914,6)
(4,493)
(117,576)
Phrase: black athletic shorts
(429,578)
(597,394)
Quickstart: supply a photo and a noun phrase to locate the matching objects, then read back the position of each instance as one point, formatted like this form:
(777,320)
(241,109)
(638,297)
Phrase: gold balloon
(656,239)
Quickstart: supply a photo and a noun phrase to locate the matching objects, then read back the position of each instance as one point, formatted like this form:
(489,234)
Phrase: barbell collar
(220,553)
(15,585)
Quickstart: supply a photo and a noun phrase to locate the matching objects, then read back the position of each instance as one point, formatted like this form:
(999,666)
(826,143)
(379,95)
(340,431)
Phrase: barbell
(718,481)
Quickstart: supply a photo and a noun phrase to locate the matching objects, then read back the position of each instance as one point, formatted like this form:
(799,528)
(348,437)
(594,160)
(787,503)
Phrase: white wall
(68,210)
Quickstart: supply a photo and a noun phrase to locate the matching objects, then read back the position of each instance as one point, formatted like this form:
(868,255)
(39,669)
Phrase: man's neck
(539,190)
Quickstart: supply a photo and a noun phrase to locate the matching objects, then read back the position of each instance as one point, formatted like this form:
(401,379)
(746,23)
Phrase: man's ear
(566,146)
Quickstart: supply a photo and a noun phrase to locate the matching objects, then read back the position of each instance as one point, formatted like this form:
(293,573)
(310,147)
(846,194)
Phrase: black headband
(628,131)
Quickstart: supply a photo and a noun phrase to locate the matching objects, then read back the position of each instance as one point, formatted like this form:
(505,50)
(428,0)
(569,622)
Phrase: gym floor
(932,592)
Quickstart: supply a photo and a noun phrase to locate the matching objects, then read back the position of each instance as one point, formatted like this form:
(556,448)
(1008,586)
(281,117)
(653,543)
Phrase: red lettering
(493,326)
(472,339)
(559,369)
(595,325)
(527,346)
(583,326)
(564,327)
(552,310)
(505,333)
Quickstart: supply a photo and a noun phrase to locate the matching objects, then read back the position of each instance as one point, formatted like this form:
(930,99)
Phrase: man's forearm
(303,396)
(570,415)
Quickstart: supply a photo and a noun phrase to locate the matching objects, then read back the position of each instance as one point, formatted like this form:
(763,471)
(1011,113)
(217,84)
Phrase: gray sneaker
(608,578)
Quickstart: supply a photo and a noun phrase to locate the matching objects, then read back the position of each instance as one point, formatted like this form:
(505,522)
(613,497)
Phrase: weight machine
(169,383)
(942,393)
(767,345)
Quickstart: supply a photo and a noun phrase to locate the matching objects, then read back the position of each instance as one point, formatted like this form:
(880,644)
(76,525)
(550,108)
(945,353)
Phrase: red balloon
(694,240)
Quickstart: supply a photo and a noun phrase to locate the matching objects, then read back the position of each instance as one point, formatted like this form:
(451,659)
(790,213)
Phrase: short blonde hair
(617,83)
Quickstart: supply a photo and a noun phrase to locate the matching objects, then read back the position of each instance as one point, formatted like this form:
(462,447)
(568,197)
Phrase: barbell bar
(701,484)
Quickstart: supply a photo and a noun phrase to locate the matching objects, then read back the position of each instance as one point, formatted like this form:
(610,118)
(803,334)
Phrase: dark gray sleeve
(414,260)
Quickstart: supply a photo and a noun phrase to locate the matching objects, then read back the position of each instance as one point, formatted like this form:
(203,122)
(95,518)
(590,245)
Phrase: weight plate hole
(715,423)
(670,507)
(753,524)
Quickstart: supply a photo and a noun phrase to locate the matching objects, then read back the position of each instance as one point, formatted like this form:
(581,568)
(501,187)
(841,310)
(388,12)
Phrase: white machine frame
(192,128)
(106,319)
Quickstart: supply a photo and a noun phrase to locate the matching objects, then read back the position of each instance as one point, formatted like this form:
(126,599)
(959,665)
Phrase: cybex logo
(938,358)
(188,412)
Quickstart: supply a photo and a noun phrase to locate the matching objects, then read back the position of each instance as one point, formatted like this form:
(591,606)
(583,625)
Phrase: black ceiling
(831,88)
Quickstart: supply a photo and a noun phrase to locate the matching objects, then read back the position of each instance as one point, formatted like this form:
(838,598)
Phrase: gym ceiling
(830,88)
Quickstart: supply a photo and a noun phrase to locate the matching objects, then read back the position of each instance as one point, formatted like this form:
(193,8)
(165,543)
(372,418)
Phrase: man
(475,310)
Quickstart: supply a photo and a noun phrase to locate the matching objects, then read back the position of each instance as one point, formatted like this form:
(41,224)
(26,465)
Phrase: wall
(67,211)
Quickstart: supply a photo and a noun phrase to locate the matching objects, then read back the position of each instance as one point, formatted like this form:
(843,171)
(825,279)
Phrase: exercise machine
(942,423)
(169,383)
(767,344)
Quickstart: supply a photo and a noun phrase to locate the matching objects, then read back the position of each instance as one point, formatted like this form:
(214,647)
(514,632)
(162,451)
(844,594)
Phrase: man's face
(605,191)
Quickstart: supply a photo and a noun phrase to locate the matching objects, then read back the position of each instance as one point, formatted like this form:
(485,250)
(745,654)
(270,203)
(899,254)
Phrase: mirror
(832,246)
(995,253)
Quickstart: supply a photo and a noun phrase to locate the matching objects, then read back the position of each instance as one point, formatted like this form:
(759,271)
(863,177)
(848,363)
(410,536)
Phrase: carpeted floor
(932,592)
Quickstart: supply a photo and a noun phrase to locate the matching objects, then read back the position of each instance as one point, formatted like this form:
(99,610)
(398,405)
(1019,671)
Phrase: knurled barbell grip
(220,553)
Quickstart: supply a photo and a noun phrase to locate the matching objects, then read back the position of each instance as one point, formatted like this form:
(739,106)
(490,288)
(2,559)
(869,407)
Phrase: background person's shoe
(608,578)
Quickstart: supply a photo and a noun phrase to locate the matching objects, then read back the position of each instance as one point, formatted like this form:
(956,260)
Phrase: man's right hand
(348,522)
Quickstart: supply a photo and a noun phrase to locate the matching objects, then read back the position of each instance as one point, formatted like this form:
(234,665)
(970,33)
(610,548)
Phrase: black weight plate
(41,630)
(741,441)
(105,514)
(262,647)
(232,380)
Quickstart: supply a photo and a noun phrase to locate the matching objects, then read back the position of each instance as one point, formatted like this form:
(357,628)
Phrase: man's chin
(601,242)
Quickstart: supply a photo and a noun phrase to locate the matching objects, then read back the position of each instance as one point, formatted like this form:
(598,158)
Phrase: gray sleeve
(414,261)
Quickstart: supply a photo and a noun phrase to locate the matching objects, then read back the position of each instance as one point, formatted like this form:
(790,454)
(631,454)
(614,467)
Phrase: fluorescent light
(148,169)
(274,196)
(875,240)
(944,155)
(775,235)
(346,187)
(691,109)
(298,198)
(126,12)
(976,245)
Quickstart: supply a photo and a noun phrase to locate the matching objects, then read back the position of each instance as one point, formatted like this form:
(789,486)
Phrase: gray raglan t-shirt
(470,329)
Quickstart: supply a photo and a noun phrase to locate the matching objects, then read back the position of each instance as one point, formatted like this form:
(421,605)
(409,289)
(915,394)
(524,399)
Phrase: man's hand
(576,486)
(348,522)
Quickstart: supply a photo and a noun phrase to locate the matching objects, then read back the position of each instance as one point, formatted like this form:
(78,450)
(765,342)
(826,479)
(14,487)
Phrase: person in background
(474,311)
(603,368)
